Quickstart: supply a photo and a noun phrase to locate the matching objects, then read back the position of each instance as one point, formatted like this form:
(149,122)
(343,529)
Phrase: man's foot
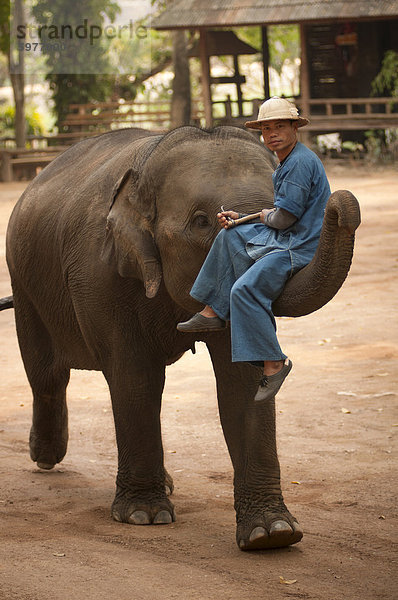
(271,384)
(199,323)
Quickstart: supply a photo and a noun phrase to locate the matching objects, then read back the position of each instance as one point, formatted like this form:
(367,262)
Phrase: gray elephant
(103,248)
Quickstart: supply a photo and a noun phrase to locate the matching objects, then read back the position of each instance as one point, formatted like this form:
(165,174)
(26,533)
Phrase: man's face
(280,136)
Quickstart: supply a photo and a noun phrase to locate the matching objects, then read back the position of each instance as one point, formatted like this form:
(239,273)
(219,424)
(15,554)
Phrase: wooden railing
(109,115)
(331,114)
(23,163)
(103,116)
(358,107)
(112,115)
(326,114)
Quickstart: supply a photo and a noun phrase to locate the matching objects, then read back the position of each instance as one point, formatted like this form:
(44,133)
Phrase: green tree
(382,144)
(284,45)
(33,119)
(77,69)
(133,62)
(386,81)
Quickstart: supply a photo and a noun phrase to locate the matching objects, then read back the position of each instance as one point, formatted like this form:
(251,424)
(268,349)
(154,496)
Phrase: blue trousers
(241,290)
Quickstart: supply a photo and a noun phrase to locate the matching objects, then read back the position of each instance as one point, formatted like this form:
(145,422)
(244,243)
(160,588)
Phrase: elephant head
(162,219)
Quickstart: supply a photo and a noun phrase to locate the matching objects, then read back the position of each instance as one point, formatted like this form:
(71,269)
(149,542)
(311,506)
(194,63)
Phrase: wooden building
(342,46)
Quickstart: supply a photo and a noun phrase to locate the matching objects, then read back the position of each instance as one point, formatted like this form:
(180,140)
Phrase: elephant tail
(314,285)
(7,302)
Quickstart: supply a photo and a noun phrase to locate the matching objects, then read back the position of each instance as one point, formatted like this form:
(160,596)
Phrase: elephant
(103,248)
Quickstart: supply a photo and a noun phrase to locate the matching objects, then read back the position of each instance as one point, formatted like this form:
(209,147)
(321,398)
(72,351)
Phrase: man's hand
(224,216)
(264,214)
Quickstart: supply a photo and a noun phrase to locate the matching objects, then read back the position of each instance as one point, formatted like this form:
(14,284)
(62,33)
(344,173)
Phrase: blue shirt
(300,187)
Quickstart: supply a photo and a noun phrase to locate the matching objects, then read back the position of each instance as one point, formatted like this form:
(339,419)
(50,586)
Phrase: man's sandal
(199,323)
(271,384)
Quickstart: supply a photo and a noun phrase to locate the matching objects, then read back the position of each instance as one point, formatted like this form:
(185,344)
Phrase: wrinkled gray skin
(103,248)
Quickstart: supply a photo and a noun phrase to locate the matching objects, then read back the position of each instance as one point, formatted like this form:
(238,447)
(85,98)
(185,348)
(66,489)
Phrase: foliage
(109,69)
(3,70)
(76,89)
(160,4)
(34,121)
(134,62)
(382,145)
(250,35)
(284,52)
(386,81)
(284,45)
(4,25)
(77,76)
(350,146)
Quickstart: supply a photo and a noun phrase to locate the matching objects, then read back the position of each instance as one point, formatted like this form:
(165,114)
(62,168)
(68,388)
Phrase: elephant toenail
(139,517)
(280,527)
(45,466)
(163,518)
(257,533)
(298,529)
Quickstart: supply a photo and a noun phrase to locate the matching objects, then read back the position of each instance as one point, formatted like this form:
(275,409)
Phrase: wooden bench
(23,163)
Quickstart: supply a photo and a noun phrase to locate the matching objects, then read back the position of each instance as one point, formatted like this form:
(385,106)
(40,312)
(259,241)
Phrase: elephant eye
(200,219)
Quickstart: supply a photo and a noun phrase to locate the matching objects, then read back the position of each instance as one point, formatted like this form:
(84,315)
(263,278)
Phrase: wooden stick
(245,219)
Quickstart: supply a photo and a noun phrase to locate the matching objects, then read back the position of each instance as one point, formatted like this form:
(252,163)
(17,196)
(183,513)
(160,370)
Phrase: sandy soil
(337,422)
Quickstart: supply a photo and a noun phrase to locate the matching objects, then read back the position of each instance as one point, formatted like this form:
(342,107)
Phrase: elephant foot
(47,453)
(141,512)
(267,530)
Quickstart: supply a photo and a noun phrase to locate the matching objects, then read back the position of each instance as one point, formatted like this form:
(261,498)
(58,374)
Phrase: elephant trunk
(317,283)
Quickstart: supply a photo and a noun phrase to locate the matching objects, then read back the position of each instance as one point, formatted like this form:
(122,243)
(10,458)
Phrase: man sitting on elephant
(248,266)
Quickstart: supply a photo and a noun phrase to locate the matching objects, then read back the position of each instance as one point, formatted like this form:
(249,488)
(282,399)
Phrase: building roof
(223,43)
(192,14)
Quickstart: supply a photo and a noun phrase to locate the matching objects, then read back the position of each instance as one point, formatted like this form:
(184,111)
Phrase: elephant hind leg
(48,378)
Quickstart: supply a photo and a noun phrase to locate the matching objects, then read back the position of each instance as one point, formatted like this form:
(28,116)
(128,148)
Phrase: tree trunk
(18,86)
(17,77)
(181,99)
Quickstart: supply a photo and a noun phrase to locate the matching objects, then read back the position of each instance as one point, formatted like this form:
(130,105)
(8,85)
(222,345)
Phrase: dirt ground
(337,422)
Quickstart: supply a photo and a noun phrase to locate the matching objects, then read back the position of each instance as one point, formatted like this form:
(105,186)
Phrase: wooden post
(265,50)
(180,111)
(238,88)
(228,109)
(6,168)
(304,82)
(205,66)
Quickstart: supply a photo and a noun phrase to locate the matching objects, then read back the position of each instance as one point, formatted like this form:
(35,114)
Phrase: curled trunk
(319,281)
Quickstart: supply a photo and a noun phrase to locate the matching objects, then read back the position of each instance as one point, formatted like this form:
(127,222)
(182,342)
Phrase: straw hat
(277,108)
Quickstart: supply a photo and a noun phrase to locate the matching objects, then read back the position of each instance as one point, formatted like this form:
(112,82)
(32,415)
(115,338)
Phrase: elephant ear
(129,245)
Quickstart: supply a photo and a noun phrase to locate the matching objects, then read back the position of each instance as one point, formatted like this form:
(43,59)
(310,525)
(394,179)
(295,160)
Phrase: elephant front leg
(141,481)
(263,521)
